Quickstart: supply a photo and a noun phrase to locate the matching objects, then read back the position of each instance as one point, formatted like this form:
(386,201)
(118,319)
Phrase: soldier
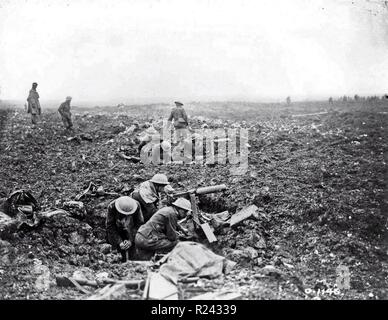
(159,234)
(147,194)
(64,111)
(178,114)
(123,218)
(33,104)
(288,100)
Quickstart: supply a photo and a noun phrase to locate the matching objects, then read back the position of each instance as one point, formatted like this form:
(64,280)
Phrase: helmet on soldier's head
(183,204)
(126,205)
(160,178)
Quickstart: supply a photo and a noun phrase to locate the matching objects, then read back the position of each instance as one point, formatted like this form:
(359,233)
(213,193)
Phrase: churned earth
(319,181)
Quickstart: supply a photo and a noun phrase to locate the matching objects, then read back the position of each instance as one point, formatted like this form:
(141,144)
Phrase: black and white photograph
(193,150)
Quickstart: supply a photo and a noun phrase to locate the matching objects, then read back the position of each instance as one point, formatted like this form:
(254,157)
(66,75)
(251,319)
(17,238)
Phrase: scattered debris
(271,270)
(7,253)
(110,292)
(75,208)
(93,191)
(243,215)
(208,232)
(42,282)
(159,288)
(101,279)
(130,158)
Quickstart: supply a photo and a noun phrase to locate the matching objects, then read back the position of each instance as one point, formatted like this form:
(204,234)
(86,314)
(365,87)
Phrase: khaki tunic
(64,110)
(148,198)
(178,114)
(33,103)
(160,232)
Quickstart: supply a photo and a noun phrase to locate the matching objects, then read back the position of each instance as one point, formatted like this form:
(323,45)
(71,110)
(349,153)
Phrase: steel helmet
(160,178)
(182,203)
(126,205)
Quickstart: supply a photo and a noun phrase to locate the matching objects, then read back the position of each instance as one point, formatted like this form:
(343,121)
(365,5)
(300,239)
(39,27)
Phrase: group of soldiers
(35,109)
(178,114)
(138,229)
(135,226)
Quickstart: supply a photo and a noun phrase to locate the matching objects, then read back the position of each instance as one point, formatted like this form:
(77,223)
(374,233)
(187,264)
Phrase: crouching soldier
(64,111)
(123,218)
(160,233)
(148,194)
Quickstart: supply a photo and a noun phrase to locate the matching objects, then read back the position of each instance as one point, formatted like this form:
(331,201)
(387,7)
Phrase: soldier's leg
(163,245)
(147,248)
(142,248)
(70,123)
(64,121)
(34,119)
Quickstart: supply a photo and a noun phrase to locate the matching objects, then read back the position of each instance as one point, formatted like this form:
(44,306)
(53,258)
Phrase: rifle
(192,193)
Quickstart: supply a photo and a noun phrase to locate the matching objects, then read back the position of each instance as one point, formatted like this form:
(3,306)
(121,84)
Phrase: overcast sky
(159,50)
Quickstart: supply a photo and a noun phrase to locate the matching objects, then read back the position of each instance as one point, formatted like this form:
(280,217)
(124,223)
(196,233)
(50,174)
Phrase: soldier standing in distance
(33,104)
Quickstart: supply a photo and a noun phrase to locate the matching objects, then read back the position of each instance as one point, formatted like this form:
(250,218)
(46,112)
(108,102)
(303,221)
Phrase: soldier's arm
(139,218)
(171,227)
(185,116)
(151,208)
(171,116)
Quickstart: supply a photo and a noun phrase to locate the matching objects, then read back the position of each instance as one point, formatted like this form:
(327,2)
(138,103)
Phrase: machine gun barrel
(202,190)
(211,189)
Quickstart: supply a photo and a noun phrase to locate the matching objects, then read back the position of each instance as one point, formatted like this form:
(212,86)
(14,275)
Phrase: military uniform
(34,106)
(122,227)
(64,110)
(148,198)
(178,114)
(159,234)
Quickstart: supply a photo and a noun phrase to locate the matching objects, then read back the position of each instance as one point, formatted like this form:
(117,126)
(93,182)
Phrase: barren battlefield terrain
(317,172)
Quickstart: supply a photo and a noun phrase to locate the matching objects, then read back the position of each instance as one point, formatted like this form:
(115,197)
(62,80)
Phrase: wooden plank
(194,208)
(208,232)
(225,295)
(78,286)
(245,213)
(309,114)
(161,289)
(109,292)
(147,287)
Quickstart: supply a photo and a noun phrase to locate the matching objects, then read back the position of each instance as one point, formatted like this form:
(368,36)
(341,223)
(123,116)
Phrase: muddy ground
(319,181)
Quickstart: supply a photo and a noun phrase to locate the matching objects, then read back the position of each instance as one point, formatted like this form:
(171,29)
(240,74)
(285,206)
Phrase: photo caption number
(215,309)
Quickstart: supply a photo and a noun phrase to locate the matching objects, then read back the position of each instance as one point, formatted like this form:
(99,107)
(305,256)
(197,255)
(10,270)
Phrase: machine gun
(193,193)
